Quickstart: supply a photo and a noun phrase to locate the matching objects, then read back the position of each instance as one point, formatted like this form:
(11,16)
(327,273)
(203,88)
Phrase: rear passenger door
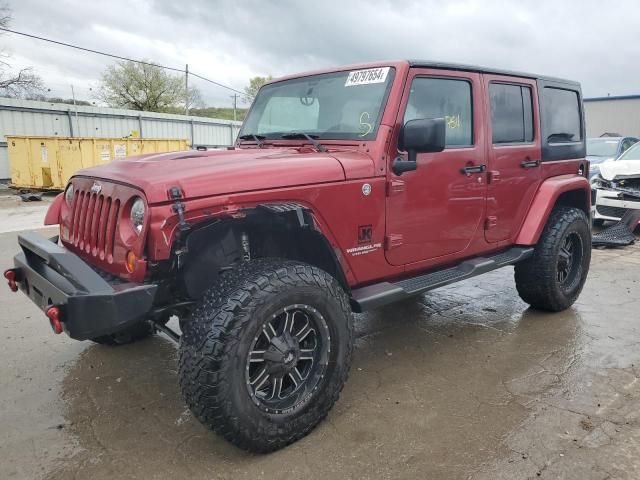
(514,154)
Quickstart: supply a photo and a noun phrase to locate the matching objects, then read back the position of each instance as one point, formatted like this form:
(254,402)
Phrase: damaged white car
(617,187)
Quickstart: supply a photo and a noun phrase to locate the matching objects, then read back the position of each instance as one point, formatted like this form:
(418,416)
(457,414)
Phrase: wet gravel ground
(462,383)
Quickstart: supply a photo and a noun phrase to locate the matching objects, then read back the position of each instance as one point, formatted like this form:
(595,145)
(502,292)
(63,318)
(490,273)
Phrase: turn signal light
(10,275)
(53,313)
(131,261)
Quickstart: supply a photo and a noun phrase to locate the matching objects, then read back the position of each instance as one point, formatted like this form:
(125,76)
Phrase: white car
(617,187)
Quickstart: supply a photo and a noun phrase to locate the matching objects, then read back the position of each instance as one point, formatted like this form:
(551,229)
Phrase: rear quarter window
(562,121)
(563,108)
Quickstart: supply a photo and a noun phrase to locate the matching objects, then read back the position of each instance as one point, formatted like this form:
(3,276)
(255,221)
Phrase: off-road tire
(537,277)
(131,334)
(218,336)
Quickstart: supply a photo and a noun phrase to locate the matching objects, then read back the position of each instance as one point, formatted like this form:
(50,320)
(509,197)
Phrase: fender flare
(53,213)
(546,198)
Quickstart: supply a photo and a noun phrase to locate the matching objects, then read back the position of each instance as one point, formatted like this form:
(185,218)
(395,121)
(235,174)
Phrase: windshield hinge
(183,227)
(178,207)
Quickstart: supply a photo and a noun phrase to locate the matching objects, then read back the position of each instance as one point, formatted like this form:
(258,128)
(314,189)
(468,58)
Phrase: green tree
(23,83)
(140,86)
(251,90)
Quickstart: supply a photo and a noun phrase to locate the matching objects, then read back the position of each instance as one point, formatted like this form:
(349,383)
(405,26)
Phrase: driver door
(434,212)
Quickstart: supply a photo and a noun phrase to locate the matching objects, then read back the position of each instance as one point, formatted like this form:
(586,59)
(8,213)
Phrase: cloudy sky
(230,41)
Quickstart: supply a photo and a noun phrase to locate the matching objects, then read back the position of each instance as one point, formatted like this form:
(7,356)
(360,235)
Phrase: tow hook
(53,313)
(10,275)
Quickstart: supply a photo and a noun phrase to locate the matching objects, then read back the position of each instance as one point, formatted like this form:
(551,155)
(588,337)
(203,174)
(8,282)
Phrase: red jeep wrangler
(347,189)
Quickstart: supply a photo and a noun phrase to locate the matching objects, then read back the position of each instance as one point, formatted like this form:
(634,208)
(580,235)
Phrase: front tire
(553,277)
(265,364)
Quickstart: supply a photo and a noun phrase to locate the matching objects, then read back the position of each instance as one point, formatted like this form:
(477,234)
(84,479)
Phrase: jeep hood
(201,174)
(620,169)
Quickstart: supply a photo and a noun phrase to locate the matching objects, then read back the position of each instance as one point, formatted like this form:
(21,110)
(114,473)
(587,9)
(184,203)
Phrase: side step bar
(376,295)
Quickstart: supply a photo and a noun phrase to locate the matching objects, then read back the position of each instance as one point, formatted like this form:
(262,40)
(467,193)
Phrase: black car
(605,148)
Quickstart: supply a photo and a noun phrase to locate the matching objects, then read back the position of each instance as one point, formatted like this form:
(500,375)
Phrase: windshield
(632,154)
(339,105)
(600,147)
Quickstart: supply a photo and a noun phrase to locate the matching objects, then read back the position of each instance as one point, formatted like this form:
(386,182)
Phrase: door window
(443,98)
(511,113)
(626,143)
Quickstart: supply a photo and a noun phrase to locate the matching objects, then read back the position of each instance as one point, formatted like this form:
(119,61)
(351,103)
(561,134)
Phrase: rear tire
(553,277)
(132,334)
(265,364)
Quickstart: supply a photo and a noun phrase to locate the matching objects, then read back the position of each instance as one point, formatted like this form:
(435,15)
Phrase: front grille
(94,219)
(608,211)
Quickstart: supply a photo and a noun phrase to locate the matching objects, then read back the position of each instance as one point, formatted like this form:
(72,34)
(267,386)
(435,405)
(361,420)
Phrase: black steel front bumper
(90,305)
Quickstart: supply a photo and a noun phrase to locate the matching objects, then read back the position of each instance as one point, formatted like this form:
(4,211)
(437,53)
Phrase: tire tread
(212,334)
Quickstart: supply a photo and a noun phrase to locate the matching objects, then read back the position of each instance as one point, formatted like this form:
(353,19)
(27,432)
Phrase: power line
(90,50)
(215,83)
(97,52)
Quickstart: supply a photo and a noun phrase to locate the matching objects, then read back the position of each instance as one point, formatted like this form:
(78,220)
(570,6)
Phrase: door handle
(530,164)
(473,169)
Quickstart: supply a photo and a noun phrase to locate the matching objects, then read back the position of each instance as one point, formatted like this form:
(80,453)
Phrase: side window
(626,143)
(443,98)
(511,113)
(562,110)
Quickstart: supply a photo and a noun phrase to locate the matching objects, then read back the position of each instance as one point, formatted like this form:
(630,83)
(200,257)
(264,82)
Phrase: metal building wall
(26,117)
(612,114)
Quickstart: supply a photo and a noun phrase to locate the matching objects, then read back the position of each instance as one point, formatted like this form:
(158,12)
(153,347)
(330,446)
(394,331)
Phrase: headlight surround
(68,194)
(137,214)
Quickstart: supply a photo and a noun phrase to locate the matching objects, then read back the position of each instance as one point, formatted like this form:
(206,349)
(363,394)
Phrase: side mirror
(424,135)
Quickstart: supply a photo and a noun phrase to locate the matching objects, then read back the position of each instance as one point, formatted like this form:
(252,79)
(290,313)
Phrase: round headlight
(68,194)
(137,214)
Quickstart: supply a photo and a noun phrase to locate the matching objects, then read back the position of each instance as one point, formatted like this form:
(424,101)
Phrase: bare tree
(140,86)
(23,84)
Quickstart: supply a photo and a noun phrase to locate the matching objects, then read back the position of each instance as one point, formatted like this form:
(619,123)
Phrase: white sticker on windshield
(366,77)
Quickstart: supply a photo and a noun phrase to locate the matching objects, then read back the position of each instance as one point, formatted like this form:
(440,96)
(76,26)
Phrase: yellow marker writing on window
(364,124)
(453,121)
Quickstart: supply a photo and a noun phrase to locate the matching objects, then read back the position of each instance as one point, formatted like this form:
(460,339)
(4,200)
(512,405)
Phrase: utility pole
(73,95)
(235,104)
(186,89)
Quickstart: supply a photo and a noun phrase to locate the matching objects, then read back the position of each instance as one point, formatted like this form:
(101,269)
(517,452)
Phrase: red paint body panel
(53,212)
(218,172)
(339,209)
(545,199)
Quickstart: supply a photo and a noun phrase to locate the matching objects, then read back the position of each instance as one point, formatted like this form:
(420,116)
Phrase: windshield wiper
(259,139)
(311,138)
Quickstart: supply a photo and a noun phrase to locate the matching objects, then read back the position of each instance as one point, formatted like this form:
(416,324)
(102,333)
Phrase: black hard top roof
(476,68)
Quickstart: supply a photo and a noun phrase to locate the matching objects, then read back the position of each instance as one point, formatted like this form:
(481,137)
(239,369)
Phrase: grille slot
(93,226)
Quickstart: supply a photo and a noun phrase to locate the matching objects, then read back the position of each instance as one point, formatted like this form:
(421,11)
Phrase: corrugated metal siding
(615,115)
(26,117)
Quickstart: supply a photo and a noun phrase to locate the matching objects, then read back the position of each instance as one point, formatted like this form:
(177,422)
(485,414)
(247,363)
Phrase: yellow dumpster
(49,162)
